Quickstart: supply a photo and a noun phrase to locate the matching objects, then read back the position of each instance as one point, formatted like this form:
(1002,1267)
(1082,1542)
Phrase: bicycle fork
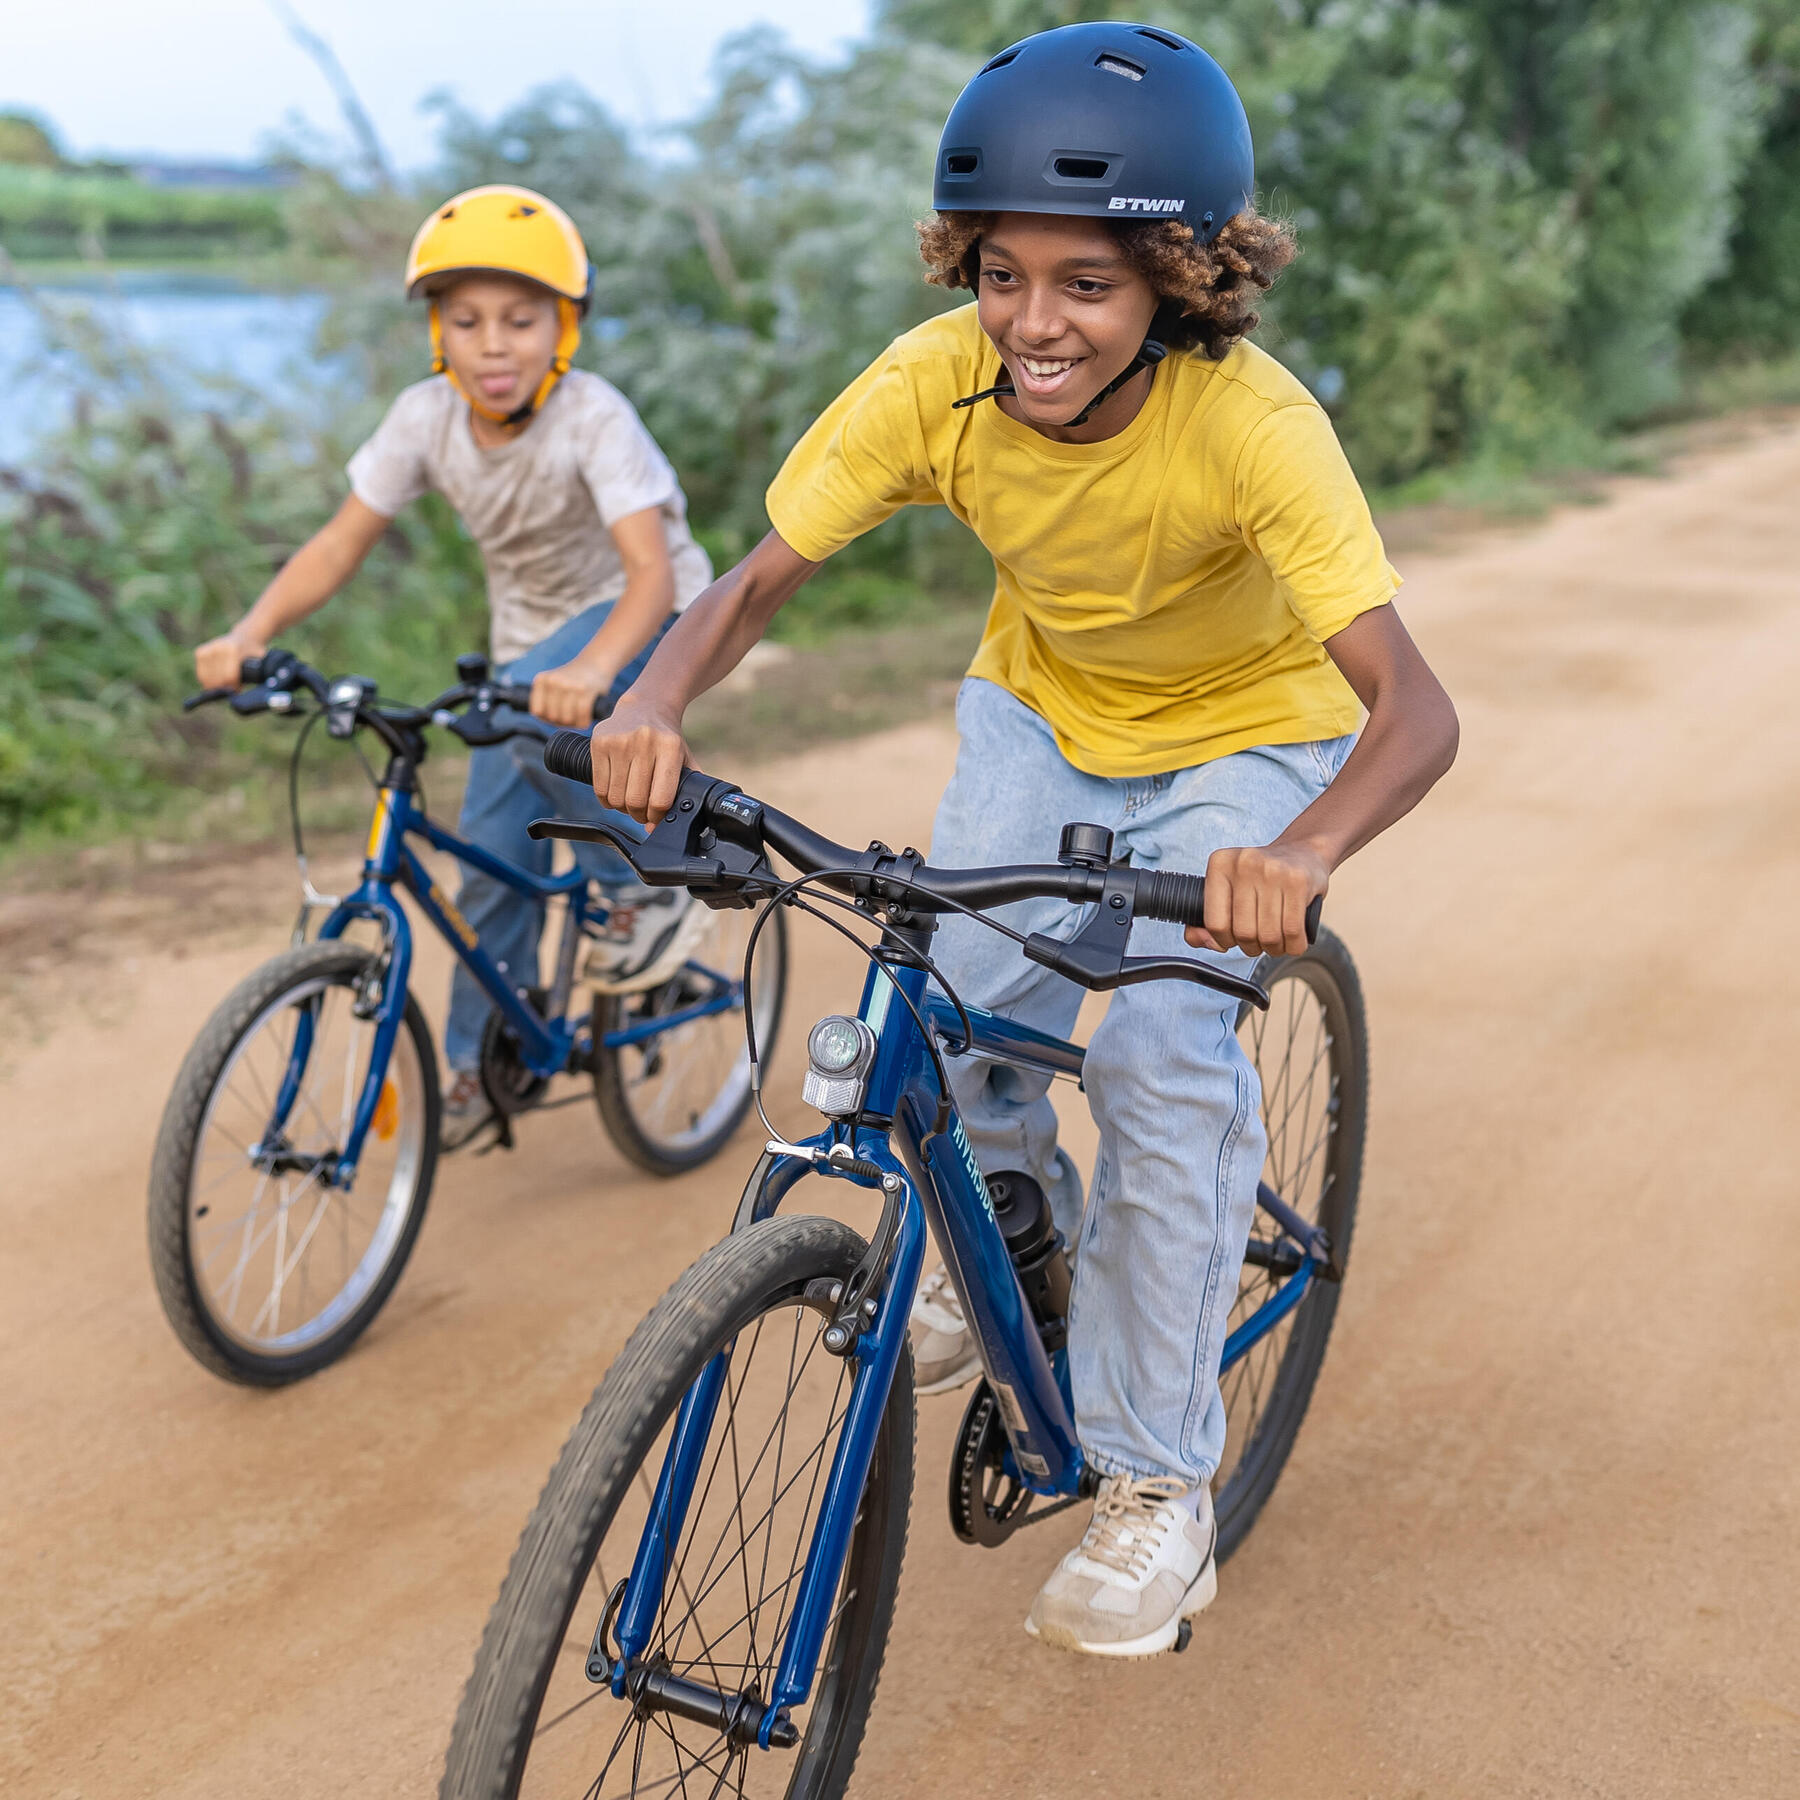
(877,1351)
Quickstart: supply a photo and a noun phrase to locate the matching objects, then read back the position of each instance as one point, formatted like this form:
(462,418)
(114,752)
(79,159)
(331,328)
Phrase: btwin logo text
(1122,203)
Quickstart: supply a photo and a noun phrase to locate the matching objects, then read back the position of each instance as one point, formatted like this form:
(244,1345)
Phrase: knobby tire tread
(703,1308)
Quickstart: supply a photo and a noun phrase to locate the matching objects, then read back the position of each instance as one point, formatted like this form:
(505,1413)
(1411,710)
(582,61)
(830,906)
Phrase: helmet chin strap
(568,338)
(1150,353)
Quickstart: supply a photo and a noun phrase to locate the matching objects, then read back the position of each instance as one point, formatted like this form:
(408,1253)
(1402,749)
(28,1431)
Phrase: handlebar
(713,841)
(272,682)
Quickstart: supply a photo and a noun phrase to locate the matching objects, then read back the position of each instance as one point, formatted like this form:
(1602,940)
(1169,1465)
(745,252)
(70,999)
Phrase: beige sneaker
(645,942)
(944,1354)
(1143,1566)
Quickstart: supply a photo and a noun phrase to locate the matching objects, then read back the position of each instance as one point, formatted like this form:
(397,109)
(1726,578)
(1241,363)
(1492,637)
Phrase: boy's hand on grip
(219,663)
(1256,899)
(566,696)
(639,756)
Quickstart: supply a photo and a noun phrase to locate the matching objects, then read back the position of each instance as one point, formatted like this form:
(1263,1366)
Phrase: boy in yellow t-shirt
(1191,611)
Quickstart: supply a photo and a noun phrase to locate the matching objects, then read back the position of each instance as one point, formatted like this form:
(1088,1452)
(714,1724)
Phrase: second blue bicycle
(299,1145)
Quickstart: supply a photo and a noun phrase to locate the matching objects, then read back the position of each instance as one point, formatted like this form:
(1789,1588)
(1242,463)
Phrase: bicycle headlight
(839,1055)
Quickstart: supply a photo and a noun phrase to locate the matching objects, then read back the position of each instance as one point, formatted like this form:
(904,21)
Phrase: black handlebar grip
(1164,894)
(570,755)
(250,671)
(1181,900)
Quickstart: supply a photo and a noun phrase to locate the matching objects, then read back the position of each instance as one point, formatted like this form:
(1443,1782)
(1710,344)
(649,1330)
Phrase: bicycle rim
(280,1257)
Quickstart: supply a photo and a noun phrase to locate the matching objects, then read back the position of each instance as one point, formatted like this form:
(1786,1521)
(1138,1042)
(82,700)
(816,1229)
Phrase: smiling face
(1067,312)
(499,338)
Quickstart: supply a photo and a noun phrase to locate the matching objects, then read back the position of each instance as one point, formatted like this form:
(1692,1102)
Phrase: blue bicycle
(700,1602)
(298,1148)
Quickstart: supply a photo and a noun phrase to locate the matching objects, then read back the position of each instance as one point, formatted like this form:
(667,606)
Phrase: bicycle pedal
(1184,1635)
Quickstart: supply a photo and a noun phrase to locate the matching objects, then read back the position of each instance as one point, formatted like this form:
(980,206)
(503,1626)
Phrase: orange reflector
(387,1112)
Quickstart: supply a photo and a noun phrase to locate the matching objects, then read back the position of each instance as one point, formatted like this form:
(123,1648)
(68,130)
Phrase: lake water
(206,325)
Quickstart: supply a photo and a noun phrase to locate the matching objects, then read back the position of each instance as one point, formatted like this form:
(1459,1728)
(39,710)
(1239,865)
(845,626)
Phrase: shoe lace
(1129,1521)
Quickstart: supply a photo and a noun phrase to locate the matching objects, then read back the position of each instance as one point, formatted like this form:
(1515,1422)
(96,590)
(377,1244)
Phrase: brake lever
(1095,957)
(206,697)
(709,841)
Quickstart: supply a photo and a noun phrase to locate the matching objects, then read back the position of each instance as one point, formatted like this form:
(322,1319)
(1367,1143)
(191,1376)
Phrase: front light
(835,1046)
(839,1055)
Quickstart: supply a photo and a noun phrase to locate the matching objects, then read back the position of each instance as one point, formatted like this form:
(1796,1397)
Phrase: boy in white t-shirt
(582,528)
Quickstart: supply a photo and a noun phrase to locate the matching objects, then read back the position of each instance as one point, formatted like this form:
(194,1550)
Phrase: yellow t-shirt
(1162,597)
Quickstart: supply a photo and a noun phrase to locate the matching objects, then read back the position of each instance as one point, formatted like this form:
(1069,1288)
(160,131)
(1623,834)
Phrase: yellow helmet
(503,230)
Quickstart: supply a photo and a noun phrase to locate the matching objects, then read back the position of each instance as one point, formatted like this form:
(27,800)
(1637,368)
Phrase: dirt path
(1541,1535)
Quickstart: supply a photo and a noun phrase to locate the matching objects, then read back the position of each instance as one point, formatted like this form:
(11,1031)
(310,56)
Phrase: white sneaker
(645,942)
(1143,1566)
(944,1354)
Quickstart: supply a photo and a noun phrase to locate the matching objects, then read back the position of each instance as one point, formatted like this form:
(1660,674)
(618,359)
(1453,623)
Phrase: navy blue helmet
(1109,121)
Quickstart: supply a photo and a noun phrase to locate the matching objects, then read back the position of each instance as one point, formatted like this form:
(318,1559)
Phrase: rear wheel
(1311,1051)
(532,1722)
(672,1098)
(266,1268)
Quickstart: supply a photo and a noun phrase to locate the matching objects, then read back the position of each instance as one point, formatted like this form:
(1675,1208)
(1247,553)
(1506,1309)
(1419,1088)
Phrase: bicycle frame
(389,861)
(942,1186)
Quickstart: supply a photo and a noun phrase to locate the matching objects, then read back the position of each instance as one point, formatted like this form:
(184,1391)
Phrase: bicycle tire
(619,1089)
(176,1211)
(1294,1353)
(746,1278)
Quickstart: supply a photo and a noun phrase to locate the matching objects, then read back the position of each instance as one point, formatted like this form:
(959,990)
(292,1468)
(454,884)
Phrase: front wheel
(532,1722)
(267,1269)
(672,1095)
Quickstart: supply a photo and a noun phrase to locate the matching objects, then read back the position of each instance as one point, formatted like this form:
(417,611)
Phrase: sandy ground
(1539,1536)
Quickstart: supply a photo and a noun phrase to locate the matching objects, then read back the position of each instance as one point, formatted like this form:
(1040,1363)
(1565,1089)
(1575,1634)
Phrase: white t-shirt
(539,508)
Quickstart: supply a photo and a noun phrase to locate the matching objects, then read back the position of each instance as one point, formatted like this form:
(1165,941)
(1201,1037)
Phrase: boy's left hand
(566,696)
(1256,900)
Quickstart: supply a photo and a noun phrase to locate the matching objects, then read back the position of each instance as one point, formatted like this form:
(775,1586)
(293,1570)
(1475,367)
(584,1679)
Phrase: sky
(210,78)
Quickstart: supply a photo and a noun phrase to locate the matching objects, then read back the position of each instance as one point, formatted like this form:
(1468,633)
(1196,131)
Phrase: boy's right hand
(639,757)
(219,663)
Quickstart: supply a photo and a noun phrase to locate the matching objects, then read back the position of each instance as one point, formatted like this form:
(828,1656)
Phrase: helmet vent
(998,62)
(1119,65)
(962,162)
(1161,37)
(1081,168)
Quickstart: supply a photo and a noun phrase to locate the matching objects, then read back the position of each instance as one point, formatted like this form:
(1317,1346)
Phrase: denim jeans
(1169,1210)
(508,788)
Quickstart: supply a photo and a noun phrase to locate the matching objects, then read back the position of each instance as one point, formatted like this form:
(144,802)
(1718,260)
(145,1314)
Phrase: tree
(27,140)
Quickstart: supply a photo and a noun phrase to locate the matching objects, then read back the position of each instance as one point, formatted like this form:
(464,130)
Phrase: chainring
(987,1503)
(511,1087)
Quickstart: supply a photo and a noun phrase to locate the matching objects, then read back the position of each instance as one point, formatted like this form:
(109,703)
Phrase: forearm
(635,619)
(718,630)
(1407,745)
(322,565)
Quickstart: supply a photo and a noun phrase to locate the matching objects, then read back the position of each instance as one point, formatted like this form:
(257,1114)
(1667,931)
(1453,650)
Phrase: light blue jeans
(508,788)
(1169,1209)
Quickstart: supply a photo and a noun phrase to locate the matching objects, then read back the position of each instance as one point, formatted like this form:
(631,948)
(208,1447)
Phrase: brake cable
(789,894)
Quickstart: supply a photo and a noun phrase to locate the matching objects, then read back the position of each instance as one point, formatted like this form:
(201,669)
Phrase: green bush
(144,528)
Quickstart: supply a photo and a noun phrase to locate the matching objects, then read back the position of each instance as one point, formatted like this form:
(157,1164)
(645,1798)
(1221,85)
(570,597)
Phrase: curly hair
(1216,285)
